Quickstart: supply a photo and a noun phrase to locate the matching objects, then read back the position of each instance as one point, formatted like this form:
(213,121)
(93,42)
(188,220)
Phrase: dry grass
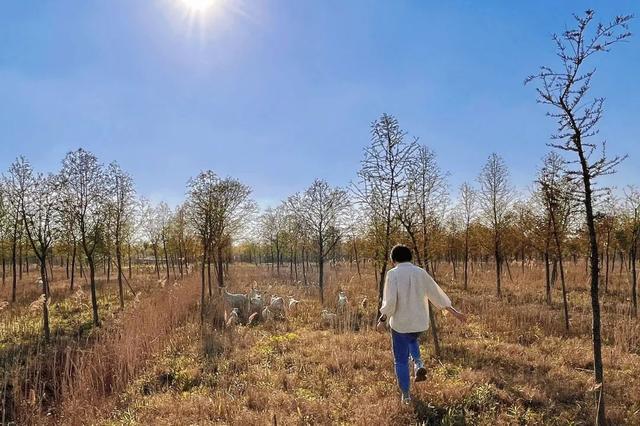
(513,363)
(77,376)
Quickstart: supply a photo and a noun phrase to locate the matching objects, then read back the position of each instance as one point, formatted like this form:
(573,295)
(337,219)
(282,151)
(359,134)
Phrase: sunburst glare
(198,6)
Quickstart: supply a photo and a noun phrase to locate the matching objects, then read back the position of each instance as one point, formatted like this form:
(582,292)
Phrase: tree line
(87,218)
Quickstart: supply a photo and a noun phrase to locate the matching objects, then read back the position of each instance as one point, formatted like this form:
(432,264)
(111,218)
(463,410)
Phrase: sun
(198,6)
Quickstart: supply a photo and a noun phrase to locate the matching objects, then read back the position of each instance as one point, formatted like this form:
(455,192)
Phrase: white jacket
(406,293)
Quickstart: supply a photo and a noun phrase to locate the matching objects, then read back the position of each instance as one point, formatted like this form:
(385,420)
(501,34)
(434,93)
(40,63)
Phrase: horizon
(267,96)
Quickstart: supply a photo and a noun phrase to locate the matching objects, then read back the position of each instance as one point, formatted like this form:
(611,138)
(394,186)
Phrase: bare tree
(39,203)
(320,209)
(150,224)
(496,196)
(217,209)
(163,219)
(356,229)
(83,181)
(200,207)
(381,177)
(121,203)
(179,233)
(468,200)
(558,192)
(565,92)
(607,221)
(70,236)
(232,206)
(273,225)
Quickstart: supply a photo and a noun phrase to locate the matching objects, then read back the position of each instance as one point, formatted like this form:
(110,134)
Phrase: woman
(405,305)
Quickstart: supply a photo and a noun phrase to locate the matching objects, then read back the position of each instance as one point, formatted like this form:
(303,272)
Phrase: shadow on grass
(430,415)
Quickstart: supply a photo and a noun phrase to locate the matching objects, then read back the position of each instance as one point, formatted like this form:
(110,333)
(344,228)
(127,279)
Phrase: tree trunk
(613,262)
(355,253)
(73,266)
(433,325)
(166,257)
(67,265)
(129,258)
(321,277)
(634,281)
(94,298)
(562,282)
(466,258)
(506,262)
(108,269)
(498,263)
(45,305)
(209,272)
(304,269)
(21,259)
(119,267)
(595,299)
(51,272)
(14,265)
(202,276)
(155,257)
(220,266)
(547,276)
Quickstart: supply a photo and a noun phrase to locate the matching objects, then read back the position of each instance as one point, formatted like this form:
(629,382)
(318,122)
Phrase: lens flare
(198,6)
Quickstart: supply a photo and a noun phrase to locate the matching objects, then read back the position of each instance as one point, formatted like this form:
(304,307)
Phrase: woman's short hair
(401,253)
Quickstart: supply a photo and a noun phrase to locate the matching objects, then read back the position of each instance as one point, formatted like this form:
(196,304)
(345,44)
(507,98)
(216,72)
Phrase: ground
(512,363)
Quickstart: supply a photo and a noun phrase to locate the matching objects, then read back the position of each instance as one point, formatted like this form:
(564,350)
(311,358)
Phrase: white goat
(328,318)
(236,300)
(277,305)
(255,301)
(342,301)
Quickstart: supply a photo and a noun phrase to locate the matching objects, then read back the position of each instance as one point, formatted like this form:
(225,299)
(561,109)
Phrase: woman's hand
(457,314)
(382,324)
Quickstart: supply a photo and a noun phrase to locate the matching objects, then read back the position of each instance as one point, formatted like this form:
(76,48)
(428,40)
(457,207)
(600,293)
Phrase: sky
(277,93)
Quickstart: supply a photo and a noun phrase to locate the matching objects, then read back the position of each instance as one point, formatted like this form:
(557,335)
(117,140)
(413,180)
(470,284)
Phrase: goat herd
(254,306)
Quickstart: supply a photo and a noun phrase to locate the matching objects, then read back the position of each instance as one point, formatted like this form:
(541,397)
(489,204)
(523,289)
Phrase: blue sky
(277,93)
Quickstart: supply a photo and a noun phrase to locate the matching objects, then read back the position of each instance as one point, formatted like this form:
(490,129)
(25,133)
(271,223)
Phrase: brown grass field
(153,363)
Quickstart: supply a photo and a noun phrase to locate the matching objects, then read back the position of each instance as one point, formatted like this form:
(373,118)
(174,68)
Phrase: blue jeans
(405,344)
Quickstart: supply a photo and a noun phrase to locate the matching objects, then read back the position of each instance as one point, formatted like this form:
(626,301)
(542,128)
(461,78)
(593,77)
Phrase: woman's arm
(389,296)
(389,299)
(435,294)
(438,297)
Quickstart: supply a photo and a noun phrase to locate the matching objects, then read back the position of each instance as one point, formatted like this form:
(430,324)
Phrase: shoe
(406,398)
(421,374)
